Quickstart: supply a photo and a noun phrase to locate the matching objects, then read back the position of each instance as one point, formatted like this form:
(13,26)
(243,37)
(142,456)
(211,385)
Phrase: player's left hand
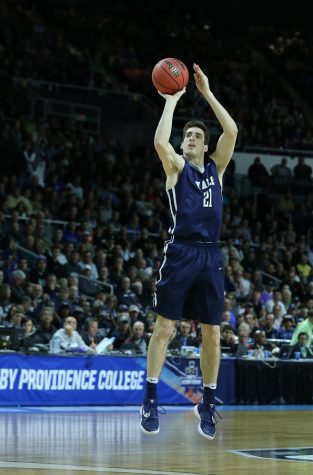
(202,82)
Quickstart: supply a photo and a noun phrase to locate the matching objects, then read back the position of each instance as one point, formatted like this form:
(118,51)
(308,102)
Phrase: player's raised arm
(226,143)
(171,161)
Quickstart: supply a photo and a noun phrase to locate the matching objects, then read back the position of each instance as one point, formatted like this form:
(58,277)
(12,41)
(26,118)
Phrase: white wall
(244,160)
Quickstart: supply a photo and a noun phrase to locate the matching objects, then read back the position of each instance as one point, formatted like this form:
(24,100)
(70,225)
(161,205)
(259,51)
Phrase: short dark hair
(201,125)
(303,333)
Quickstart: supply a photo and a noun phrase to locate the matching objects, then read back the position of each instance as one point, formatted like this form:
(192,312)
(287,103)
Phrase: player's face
(193,143)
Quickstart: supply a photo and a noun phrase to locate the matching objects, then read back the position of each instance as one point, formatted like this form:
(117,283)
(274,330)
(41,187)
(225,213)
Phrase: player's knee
(211,335)
(164,328)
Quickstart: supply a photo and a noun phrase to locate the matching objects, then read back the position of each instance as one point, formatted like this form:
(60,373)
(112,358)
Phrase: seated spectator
(29,329)
(135,313)
(285,206)
(51,287)
(268,326)
(14,317)
(45,329)
(91,336)
(260,346)
(87,263)
(228,340)
(122,331)
(56,261)
(303,266)
(267,292)
(244,340)
(68,339)
(38,274)
(184,336)
(124,293)
(137,338)
(287,328)
(307,327)
(73,266)
(17,285)
(301,347)
(286,296)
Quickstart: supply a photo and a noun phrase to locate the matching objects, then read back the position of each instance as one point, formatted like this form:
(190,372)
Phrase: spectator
(45,329)
(184,336)
(267,292)
(307,327)
(91,337)
(228,340)
(258,174)
(29,329)
(38,275)
(287,328)
(302,171)
(301,347)
(137,338)
(268,326)
(303,266)
(135,314)
(281,170)
(261,347)
(244,340)
(122,332)
(68,339)
(17,284)
(124,293)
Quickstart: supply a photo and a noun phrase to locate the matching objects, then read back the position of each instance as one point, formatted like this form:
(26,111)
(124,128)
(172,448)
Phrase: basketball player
(191,276)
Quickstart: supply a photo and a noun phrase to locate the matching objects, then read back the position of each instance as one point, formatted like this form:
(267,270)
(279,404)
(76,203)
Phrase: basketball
(170,75)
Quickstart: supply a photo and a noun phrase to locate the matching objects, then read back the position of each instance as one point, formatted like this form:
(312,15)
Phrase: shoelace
(212,413)
(159,409)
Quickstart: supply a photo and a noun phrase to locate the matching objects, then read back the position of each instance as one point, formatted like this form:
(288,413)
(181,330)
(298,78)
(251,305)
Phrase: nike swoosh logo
(220,268)
(145,414)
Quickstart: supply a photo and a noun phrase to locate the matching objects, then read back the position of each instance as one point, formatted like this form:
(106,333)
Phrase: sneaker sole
(152,432)
(196,413)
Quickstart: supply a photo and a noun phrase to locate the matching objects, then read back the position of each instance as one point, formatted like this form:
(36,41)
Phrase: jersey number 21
(207,199)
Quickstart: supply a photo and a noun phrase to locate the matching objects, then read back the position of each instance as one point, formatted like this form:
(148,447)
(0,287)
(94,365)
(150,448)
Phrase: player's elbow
(233,131)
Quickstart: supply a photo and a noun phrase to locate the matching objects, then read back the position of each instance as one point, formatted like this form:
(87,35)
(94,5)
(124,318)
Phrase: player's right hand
(175,96)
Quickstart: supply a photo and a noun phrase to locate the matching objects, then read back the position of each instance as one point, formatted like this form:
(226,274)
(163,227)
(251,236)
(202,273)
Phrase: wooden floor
(56,442)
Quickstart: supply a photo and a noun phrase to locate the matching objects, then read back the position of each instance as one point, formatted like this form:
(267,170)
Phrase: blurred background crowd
(83,208)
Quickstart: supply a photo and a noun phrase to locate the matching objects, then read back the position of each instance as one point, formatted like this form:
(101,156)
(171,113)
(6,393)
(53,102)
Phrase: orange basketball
(170,75)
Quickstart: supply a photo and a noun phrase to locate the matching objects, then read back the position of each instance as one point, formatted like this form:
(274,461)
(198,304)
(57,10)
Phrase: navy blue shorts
(191,282)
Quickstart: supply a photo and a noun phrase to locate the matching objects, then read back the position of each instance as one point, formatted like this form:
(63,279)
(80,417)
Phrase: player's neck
(198,164)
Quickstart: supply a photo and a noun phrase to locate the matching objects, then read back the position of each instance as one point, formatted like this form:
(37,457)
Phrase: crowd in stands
(83,218)
(98,45)
(62,226)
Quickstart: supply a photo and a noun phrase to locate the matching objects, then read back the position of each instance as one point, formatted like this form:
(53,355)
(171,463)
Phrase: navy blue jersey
(196,204)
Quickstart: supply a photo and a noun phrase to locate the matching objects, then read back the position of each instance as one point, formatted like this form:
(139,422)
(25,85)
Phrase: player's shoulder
(209,161)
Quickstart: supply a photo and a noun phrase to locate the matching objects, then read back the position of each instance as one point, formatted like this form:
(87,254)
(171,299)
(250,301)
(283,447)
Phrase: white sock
(211,386)
(153,380)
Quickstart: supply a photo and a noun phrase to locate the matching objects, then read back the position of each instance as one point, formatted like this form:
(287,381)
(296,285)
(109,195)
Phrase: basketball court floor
(267,440)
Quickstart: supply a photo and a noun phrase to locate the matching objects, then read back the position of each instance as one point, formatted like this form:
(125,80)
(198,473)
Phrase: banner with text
(100,380)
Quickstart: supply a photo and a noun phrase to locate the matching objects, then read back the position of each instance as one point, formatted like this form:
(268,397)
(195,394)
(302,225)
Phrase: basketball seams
(170,75)
(162,85)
